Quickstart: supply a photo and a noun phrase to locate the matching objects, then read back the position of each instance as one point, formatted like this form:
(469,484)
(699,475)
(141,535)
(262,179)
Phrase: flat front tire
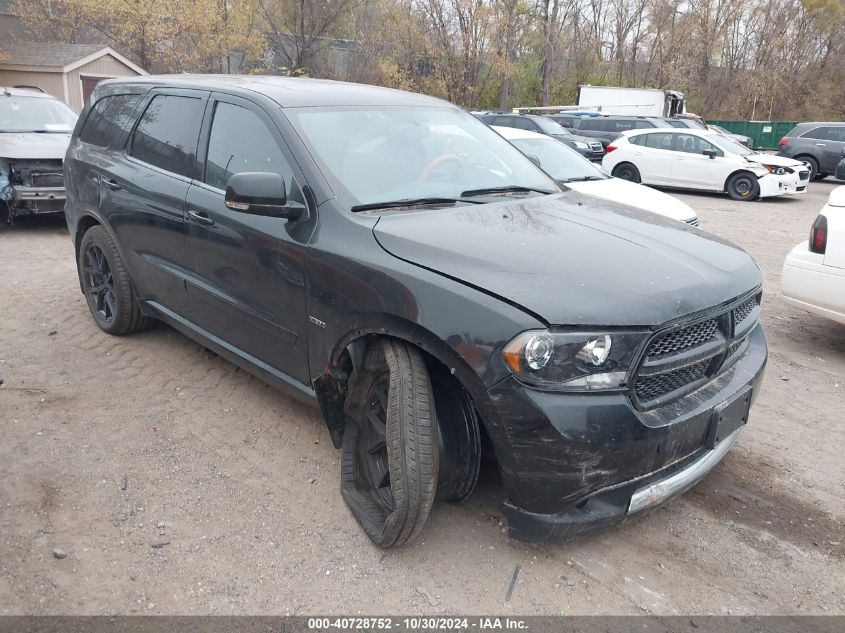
(743,186)
(389,460)
(106,284)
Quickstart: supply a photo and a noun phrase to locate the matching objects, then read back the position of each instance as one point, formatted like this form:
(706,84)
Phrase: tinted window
(658,140)
(166,135)
(692,144)
(592,124)
(676,123)
(107,119)
(239,142)
(639,124)
(827,133)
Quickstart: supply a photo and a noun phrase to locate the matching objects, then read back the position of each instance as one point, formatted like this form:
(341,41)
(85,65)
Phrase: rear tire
(743,186)
(107,286)
(626,171)
(389,456)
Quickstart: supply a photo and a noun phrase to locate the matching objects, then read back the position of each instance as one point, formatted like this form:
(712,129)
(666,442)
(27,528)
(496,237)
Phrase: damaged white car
(34,134)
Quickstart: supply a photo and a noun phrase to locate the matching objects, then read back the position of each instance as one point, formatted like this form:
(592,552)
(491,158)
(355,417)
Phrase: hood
(772,159)
(33,145)
(572,259)
(639,196)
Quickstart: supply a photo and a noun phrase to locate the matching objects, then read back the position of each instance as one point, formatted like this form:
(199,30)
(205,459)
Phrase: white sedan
(570,168)
(701,159)
(813,276)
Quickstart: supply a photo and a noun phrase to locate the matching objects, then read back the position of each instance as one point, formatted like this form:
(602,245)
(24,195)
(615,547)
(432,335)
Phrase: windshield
(730,145)
(35,114)
(550,127)
(378,154)
(558,160)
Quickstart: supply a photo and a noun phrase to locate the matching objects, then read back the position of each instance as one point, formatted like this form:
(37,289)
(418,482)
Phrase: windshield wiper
(583,179)
(509,189)
(405,202)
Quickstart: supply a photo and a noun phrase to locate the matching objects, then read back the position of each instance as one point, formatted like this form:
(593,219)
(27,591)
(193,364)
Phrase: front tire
(626,171)
(106,284)
(389,460)
(812,164)
(743,186)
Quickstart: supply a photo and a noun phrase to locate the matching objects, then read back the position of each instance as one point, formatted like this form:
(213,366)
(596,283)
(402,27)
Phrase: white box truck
(631,101)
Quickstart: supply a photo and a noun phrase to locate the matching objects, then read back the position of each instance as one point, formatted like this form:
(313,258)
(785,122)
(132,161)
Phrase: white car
(813,276)
(701,159)
(573,170)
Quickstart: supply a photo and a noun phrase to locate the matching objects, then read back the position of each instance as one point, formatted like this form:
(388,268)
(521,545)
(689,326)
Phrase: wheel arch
(736,172)
(443,360)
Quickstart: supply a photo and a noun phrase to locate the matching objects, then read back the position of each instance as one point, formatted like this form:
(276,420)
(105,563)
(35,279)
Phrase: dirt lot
(176,483)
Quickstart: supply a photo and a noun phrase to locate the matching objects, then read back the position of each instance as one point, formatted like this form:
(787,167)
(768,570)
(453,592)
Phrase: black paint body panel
(284,299)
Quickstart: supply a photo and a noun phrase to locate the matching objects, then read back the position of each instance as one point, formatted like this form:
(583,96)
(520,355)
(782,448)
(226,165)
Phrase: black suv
(820,146)
(587,147)
(389,258)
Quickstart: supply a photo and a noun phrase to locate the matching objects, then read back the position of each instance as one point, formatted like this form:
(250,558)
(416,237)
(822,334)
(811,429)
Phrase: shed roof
(54,57)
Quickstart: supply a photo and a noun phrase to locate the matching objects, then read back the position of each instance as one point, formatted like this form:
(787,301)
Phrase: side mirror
(709,152)
(261,193)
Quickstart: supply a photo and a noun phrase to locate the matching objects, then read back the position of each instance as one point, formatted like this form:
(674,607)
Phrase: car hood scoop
(571,259)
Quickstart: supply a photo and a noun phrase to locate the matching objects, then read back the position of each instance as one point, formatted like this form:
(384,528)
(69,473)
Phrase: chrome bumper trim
(659,491)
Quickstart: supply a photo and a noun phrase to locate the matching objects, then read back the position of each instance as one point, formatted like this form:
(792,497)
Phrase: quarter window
(166,135)
(107,119)
(240,142)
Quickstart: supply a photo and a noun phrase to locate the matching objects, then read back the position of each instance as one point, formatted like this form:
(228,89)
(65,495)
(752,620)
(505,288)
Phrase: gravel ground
(177,484)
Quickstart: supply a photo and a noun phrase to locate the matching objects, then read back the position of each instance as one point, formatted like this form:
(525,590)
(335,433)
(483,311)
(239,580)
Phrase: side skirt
(236,356)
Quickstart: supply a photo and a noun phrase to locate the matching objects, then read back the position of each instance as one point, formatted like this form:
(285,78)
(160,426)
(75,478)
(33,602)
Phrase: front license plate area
(728,417)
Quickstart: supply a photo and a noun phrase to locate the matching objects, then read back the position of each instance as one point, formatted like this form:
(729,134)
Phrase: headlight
(573,361)
(580,145)
(778,170)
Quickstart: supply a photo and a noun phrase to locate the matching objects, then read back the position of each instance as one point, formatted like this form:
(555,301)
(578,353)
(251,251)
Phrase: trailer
(631,101)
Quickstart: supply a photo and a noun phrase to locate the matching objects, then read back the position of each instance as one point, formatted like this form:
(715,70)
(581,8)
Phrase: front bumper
(579,462)
(787,184)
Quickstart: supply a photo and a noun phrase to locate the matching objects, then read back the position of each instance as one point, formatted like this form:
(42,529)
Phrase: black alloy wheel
(98,283)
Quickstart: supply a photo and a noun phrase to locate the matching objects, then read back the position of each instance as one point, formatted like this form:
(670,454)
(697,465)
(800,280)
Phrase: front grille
(681,360)
(801,188)
(693,221)
(804,175)
(683,339)
(742,311)
(651,387)
(596,147)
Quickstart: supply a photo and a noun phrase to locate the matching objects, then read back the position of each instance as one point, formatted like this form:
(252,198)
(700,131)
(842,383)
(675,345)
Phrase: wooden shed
(66,71)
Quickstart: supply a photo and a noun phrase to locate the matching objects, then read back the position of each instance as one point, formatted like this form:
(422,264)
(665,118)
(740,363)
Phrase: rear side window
(166,135)
(592,124)
(107,119)
(658,140)
(826,133)
(240,142)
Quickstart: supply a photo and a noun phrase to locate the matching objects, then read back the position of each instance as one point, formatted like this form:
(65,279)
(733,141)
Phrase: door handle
(200,217)
(112,184)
